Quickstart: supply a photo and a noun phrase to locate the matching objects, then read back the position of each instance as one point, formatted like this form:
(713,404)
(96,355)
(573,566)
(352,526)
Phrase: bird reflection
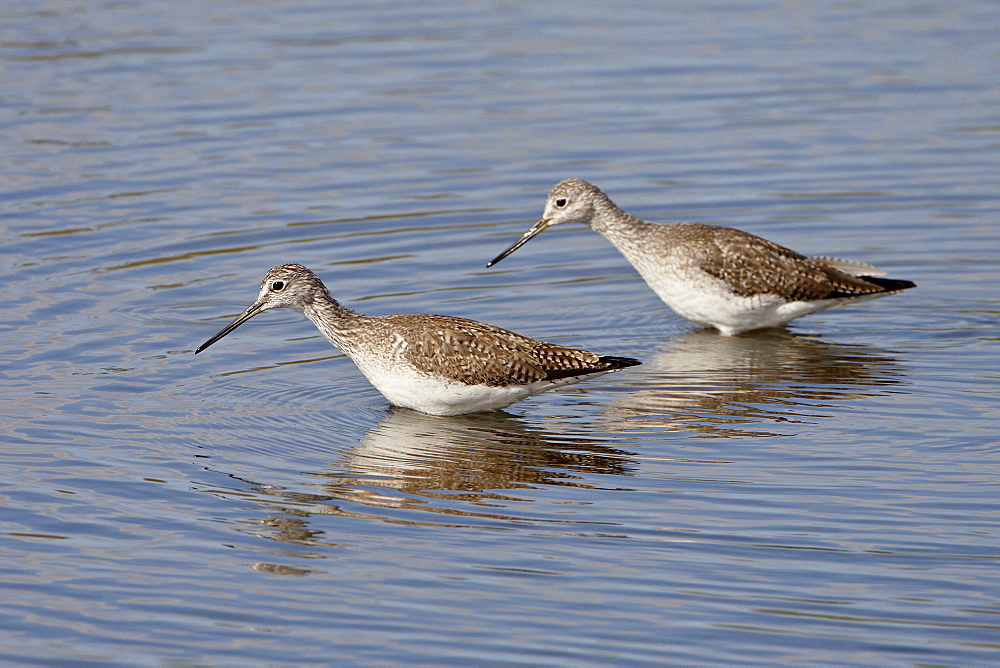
(703,382)
(469,457)
(421,462)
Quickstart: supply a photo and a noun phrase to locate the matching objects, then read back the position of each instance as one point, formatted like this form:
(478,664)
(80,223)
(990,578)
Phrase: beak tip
(240,319)
(538,227)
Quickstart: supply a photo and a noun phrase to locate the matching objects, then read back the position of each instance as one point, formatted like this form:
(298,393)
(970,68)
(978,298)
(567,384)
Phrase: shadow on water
(714,385)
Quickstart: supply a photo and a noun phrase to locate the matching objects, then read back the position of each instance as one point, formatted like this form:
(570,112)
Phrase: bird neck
(334,320)
(613,223)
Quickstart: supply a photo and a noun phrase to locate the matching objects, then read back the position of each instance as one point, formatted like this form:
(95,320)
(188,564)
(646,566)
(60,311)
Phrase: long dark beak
(240,319)
(535,229)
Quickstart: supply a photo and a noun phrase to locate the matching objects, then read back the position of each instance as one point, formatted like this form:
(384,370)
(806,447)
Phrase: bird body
(435,364)
(717,276)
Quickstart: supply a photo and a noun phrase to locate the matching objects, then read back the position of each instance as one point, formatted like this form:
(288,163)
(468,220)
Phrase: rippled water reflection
(822,495)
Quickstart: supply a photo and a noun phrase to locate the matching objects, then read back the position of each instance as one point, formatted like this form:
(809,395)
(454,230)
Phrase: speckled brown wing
(752,265)
(476,353)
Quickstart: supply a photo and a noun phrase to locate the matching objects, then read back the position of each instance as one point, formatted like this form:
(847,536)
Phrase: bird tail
(614,363)
(890,284)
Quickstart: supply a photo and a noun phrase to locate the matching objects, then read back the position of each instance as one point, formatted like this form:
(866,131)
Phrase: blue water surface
(823,495)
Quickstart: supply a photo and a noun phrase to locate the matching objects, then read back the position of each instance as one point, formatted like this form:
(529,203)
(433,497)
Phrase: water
(826,495)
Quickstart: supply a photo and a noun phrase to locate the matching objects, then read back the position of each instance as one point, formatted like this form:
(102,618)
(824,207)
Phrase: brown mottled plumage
(718,276)
(432,363)
(476,353)
(751,265)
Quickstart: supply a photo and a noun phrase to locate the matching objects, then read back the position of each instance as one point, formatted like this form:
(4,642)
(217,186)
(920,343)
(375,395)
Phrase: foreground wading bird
(431,363)
(717,276)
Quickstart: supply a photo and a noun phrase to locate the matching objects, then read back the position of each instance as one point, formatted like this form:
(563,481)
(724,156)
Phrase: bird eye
(561,202)
(277,286)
